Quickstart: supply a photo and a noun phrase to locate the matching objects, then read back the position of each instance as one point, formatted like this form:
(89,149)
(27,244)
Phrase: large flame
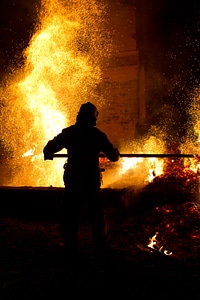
(62,70)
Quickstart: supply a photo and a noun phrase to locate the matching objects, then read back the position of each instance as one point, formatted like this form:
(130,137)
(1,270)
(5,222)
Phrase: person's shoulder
(68,129)
(98,131)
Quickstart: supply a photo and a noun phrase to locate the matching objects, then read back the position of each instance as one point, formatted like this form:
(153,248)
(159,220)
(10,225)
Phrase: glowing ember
(153,244)
(152,241)
(29,152)
(175,221)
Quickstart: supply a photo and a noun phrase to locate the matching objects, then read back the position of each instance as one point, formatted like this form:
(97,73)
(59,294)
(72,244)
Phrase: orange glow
(153,244)
(62,69)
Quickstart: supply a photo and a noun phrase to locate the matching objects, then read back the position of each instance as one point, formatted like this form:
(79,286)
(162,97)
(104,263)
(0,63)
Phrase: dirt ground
(33,263)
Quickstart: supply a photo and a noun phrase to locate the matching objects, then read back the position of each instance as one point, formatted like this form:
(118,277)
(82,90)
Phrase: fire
(29,152)
(153,244)
(145,169)
(62,67)
(128,163)
(152,241)
(153,166)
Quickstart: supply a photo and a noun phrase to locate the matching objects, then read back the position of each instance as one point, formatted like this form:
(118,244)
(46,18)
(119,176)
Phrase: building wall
(121,110)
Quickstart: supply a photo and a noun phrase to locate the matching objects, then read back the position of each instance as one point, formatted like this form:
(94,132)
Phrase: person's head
(87,114)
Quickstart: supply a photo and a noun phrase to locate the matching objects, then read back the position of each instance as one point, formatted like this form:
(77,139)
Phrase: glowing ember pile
(174,230)
(176,178)
(171,223)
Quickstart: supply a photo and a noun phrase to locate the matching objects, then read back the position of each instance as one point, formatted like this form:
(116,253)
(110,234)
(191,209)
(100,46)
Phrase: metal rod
(166,155)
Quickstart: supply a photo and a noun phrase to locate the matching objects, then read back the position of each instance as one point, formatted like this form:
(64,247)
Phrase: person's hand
(117,154)
(48,156)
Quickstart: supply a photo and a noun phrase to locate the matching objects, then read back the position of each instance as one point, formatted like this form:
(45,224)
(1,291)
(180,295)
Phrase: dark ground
(33,263)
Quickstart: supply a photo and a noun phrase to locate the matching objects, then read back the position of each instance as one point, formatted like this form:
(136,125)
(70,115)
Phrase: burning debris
(165,219)
(153,244)
(175,178)
(172,224)
(177,230)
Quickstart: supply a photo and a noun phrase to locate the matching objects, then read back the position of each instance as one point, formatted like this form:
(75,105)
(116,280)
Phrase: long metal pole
(165,155)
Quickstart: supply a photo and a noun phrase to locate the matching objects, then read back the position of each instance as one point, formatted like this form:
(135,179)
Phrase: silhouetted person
(82,176)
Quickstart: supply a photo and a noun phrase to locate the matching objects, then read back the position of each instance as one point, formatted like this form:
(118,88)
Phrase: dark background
(168,40)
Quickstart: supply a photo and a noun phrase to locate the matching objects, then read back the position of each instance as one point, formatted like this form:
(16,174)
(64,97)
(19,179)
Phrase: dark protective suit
(83,142)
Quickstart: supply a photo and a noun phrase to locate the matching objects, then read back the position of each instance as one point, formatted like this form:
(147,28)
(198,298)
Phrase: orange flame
(153,244)
(62,69)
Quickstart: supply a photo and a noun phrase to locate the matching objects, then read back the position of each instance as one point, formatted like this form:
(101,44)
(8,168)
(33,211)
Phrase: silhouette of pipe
(147,155)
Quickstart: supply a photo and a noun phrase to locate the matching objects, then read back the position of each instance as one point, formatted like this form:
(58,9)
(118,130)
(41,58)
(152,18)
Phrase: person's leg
(97,220)
(69,222)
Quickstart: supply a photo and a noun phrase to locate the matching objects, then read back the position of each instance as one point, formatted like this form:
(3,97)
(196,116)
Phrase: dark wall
(167,38)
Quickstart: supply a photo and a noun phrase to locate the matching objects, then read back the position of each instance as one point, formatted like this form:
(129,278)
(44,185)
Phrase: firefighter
(82,176)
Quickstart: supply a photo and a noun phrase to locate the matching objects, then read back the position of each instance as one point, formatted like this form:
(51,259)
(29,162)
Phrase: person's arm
(111,152)
(53,146)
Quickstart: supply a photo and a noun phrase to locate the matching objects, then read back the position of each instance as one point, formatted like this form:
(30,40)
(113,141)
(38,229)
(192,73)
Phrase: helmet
(87,114)
(89,110)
